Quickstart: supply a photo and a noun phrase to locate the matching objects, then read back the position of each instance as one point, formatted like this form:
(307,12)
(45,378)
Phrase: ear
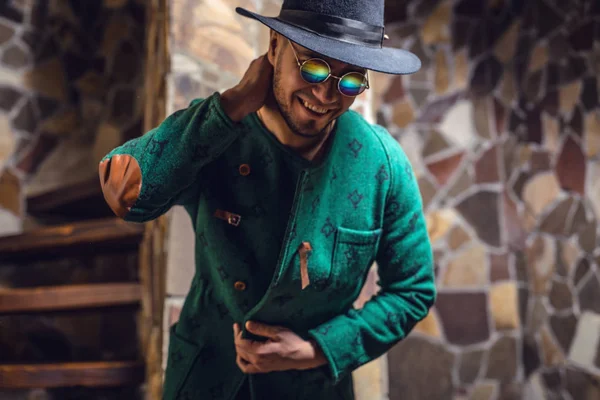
(275,45)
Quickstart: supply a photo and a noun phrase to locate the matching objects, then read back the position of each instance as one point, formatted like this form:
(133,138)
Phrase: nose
(326,92)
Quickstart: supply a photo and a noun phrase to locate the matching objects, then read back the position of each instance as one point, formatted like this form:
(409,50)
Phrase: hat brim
(385,59)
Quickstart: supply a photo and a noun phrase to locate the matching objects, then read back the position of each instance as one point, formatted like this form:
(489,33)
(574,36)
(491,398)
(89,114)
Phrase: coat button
(244,170)
(239,286)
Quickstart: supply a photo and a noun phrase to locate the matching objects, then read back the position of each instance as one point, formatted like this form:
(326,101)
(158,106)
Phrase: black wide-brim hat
(350,31)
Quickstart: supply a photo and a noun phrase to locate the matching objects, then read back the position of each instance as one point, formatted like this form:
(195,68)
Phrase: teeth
(314,108)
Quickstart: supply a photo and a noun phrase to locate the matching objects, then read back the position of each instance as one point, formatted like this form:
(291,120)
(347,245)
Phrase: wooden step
(68,297)
(76,201)
(87,374)
(109,233)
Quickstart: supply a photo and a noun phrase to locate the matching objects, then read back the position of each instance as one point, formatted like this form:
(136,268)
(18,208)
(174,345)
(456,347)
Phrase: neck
(311,148)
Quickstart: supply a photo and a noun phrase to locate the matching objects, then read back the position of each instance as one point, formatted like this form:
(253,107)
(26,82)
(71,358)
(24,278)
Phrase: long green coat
(282,241)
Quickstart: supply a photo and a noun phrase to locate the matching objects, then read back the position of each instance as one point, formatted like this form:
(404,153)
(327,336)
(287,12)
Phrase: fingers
(268,331)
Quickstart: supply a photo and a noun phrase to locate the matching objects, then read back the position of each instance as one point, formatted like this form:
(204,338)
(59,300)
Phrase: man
(292,197)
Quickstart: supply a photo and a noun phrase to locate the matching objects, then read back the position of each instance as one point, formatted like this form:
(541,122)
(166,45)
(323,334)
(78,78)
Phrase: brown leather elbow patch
(121,181)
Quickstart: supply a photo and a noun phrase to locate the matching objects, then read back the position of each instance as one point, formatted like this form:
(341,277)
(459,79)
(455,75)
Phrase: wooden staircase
(81,239)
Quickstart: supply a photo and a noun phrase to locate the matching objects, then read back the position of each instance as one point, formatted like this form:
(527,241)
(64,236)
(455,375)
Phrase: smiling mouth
(313,109)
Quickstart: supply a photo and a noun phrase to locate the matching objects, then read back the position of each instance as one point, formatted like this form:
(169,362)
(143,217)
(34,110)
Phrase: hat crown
(367,11)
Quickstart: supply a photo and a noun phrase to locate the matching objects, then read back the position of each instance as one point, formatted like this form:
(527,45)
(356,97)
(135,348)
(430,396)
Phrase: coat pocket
(181,358)
(353,254)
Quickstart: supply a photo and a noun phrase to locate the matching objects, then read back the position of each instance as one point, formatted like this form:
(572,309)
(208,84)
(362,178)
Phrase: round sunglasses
(316,70)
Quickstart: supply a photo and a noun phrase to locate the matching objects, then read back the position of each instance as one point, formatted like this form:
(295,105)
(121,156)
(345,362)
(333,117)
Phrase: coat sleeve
(405,266)
(146,176)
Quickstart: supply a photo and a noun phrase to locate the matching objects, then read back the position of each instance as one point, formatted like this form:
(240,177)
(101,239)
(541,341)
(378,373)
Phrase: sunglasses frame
(330,75)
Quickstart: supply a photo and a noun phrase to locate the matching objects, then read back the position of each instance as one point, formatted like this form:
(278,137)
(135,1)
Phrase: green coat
(253,204)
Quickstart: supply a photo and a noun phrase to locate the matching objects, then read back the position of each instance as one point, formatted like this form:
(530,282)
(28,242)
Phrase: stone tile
(436,28)
(593,186)
(6,32)
(484,391)
(480,210)
(403,114)
(589,295)
(541,253)
(540,191)
(539,58)
(439,223)
(420,96)
(427,190)
(550,127)
(539,161)
(555,222)
(499,267)
(430,325)
(16,57)
(552,355)
(483,116)
(563,328)
(537,317)
(552,379)
(571,167)
(394,91)
(582,271)
(457,237)
(470,365)
(502,362)
(436,143)
(589,94)
(10,187)
(460,184)
(442,73)
(506,46)
(578,218)
(486,75)
(464,317)
(588,237)
(592,135)
(581,385)
(461,70)
(487,166)
(415,363)
(581,37)
(9,96)
(560,296)
(7,139)
(26,118)
(586,340)
(444,169)
(451,114)
(569,96)
(507,90)
(503,304)
(48,79)
(62,124)
(534,86)
(530,355)
(467,268)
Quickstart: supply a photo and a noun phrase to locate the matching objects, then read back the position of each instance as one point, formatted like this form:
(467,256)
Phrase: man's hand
(251,93)
(284,350)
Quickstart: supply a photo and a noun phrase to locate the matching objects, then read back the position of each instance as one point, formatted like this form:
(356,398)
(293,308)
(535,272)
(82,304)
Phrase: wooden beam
(70,239)
(88,374)
(68,297)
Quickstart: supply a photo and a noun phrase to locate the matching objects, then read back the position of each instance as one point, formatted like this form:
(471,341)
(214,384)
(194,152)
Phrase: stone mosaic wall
(71,75)
(502,125)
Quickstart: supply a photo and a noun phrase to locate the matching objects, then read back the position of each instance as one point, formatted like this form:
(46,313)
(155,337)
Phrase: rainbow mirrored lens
(314,71)
(352,84)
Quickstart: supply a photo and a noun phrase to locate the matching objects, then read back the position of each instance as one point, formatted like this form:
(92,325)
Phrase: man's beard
(286,112)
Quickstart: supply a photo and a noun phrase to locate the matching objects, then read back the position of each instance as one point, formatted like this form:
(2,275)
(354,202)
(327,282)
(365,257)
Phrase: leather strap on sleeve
(121,181)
